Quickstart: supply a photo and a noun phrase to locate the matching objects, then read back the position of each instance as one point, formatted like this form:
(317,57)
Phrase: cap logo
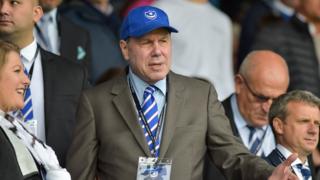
(151,14)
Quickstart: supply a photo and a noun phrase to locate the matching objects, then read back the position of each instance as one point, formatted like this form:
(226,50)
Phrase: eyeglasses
(259,97)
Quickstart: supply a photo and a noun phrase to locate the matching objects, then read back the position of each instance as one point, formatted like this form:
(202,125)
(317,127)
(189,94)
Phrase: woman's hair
(5,48)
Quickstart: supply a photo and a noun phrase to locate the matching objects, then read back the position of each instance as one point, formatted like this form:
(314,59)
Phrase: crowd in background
(232,44)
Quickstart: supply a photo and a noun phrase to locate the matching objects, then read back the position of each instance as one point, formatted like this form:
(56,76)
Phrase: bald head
(264,64)
(263,76)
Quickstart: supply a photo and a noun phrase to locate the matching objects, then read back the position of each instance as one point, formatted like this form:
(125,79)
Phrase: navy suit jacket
(63,83)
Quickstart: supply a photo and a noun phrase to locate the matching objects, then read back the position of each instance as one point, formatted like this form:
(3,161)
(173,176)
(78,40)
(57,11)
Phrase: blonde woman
(22,155)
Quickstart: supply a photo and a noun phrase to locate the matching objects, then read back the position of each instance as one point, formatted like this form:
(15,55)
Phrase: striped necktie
(151,115)
(253,142)
(27,110)
(304,171)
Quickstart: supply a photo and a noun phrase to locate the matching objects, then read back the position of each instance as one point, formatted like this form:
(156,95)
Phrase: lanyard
(262,139)
(282,158)
(144,121)
(30,73)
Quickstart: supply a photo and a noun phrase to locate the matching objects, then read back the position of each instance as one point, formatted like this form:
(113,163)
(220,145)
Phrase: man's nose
(313,128)
(266,105)
(156,49)
(4,7)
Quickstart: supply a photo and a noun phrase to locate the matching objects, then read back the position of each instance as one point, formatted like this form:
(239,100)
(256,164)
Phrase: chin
(19,106)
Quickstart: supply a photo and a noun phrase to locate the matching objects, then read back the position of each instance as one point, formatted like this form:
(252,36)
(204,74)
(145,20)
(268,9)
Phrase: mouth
(310,140)
(5,22)
(21,91)
(156,65)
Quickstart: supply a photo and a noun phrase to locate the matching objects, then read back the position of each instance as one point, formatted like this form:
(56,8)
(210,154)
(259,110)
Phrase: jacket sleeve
(226,151)
(82,156)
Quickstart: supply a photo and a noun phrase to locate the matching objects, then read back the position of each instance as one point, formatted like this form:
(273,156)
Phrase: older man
(153,122)
(295,119)
(263,76)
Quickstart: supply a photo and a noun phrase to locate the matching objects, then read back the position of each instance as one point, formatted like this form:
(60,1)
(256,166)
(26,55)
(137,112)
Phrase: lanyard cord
(282,158)
(144,121)
(30,73)
(262,139)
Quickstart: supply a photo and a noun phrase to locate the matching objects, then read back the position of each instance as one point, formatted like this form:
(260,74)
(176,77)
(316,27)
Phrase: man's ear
(37,13)
(124,49)
(238,83)
(278,124)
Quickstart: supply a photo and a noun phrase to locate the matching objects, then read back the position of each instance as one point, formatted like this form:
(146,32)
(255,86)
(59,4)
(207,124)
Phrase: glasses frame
(259,97)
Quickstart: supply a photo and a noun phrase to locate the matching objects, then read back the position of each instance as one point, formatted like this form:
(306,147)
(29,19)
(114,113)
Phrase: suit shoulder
(59,60)
(68,24)
(191,81)
(107,86)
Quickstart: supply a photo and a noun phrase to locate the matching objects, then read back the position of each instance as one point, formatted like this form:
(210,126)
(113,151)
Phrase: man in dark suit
(263,76)
(100,20)
(56,83)
(295,120)
(154,113)
(57,34)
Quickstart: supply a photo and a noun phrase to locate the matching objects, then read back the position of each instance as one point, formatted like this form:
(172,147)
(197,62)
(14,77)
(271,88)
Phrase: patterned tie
(27,110)
(304,171)
(150,112)
(253,142)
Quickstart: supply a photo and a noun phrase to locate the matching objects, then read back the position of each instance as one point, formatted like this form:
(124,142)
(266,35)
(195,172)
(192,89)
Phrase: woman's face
(13,83)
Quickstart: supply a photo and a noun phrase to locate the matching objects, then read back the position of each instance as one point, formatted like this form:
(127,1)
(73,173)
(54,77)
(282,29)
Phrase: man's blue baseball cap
(143,20)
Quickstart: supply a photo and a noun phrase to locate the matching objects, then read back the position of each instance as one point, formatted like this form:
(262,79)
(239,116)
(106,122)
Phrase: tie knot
(252,129)
(46,19)
(150,90)
(305,171)
(252,132)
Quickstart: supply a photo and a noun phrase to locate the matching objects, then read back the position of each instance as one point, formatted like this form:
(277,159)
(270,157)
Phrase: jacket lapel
(48,70)
(229,113)
(123,101)
(174,107)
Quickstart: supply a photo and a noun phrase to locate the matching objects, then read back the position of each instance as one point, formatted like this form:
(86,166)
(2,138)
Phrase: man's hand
(283,170)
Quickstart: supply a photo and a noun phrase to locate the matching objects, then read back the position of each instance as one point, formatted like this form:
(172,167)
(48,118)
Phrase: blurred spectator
(97,17)
(258,14)
(57,34)
(109,74)
(297,42)
(295,120)
(216,3)
(231,7)
(203,48)
(136,3)
(263,76)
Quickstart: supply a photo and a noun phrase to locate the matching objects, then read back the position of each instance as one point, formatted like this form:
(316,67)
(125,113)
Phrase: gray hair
(279,106)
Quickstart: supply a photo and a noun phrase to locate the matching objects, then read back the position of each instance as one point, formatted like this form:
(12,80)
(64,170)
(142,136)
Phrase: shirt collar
(286,153)
(312,29)
(51,14)
(238,118)
(29,51)
(301,17)
(283,8)
(140,85)
(2,113)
